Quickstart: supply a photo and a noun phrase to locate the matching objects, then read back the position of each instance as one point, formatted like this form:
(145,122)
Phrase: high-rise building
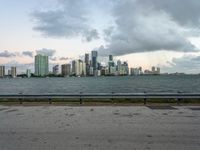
(28,73)
(94,56)
(56,70)
(87,63)
(103,71)
(126,68)
(135,71)
(110,57)
(140,68)
(112,70)
(83,69)
(118,66)
(73,67)
(13,72)
(79,68)
(41,65)
(153,69)
(2,71)
(111,65)
(66,69)
(87,59)
(91,71)
(122,68)
(9,72)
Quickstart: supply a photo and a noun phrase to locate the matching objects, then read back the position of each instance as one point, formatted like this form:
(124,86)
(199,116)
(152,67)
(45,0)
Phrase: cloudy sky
(164,33)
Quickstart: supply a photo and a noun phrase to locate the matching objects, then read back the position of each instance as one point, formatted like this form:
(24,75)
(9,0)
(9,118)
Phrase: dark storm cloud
(185,12)
(53,58)
(64,58)
(68,21)
(144,25)
(90,35)
(187,63)
(45,51)
(7,54)
(108,32)
(138,25)
(27,53)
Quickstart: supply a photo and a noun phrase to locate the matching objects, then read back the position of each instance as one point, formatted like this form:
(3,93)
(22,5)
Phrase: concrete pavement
(97,128)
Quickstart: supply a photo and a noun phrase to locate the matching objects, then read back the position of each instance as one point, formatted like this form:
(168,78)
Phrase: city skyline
(140,32)
(88,66)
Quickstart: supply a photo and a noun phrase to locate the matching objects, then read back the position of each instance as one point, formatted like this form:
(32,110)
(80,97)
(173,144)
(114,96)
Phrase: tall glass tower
(41,65)
(94,60)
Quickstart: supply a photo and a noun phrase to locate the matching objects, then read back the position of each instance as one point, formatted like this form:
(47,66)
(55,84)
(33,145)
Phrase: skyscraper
(111,65)
(28,73)
(94,56)
(73,67)
(2,71)
(41,65)
(66,69)
(87,63)
(110,57)
(153,69)
(9,72)
(78,68)
(135,71)
(56,70)
(158,70)
(13,72)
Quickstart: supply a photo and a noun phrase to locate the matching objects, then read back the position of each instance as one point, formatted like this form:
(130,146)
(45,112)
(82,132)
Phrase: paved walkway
(98,128)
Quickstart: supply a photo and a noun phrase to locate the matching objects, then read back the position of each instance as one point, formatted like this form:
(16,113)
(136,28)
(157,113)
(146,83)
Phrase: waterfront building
(2,71)
(14,72)
(79,68)
(110,57)
(66,69)
(73,67)
(140,69)
(91,71)
(147,72)
(158,70)
(56,70)
(87,63)
(153,69)
(126,68)
(106,71)
(9,72)
(94,55)
(122,68)
(135,71)
(41,65)
(83,71)
(103,71)
(28,73)
(98,72)
(111,65)
(112,70)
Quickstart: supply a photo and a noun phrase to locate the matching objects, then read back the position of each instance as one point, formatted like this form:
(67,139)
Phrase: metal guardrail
(81,96)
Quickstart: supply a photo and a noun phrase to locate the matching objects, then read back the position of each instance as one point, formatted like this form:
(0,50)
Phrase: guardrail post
(81,100)
(179,99)
(50,101)
(20,101)
(145,99)
(112,99)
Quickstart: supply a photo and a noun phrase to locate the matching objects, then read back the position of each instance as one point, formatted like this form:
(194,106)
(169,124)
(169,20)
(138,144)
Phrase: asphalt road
(99,128)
